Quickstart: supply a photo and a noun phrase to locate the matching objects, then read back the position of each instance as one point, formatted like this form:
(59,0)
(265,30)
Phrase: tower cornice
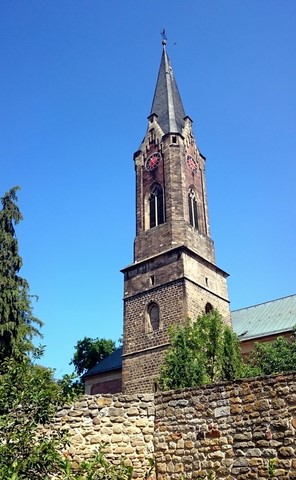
(177,249)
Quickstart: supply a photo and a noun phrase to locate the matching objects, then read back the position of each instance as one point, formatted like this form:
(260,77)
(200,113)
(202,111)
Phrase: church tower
(174,274)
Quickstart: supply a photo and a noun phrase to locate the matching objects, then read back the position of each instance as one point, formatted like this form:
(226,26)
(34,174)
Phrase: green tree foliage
(272,357)
(88,352)
(200,352)
(17,322)
(232,364)
(29,396)
(99,468)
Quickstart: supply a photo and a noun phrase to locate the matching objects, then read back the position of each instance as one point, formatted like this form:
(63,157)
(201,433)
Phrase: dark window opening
(152,280)
(174,139)
(153,317)
(208,308)
(192,206)
(152,136)
(156,206)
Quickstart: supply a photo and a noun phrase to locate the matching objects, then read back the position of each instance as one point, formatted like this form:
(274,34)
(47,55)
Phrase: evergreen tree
(17,322)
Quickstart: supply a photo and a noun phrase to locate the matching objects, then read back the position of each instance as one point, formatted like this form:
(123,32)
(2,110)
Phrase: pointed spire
(167,103)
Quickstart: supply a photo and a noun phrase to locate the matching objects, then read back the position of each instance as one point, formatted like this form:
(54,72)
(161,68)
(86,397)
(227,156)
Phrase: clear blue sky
(76,85)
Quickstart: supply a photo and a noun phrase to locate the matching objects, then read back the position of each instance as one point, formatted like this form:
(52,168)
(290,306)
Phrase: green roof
(270,318)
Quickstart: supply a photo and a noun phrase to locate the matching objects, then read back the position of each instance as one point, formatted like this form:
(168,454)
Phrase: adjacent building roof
(112,362)
(270,318)
(167,103)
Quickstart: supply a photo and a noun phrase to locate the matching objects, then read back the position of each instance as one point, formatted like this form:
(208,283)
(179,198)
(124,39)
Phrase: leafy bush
(29,396)
(272,357)
(97,468)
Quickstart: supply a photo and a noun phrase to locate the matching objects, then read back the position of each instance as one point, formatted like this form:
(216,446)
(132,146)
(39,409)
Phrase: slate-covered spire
(167,103)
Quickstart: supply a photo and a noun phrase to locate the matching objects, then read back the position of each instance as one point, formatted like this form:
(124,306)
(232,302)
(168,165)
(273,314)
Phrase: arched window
(153,317)
(192,206)
(208,307)
(156,206)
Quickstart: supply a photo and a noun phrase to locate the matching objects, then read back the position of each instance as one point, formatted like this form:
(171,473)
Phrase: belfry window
(156,206)
(192,206)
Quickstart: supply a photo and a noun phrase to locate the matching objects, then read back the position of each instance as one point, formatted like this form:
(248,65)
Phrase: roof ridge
(264,303)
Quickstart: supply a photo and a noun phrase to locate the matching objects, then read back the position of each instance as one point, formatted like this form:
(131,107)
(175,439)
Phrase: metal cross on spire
(167,103)
(164,37)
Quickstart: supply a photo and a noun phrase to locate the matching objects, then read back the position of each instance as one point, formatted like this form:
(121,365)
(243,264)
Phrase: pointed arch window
(208,307)
(156,206)
(152,317)
(192,206)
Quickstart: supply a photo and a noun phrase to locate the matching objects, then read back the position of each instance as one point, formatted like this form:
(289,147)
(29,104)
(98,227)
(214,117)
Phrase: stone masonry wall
(143,350)
(233,429)
(124,423)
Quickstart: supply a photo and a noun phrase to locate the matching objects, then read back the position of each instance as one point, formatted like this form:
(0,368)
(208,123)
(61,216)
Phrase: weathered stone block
(102,402)
(222,411)
(286,452)
(242,436)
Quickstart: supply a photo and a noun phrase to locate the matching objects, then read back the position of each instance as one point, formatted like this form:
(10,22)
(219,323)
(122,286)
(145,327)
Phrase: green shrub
(200,352)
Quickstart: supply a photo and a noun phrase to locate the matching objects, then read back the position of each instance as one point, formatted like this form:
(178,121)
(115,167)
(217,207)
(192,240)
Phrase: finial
(164,37)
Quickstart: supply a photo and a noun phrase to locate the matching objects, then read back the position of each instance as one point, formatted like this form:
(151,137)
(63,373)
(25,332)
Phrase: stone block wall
(233,429)
(143,350)
(181,284)
(124,423)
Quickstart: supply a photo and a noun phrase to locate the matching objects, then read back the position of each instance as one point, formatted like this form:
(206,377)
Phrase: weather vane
(164,37)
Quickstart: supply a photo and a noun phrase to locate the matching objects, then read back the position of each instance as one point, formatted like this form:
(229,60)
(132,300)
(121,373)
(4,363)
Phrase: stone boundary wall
(233,429)
(124,423)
